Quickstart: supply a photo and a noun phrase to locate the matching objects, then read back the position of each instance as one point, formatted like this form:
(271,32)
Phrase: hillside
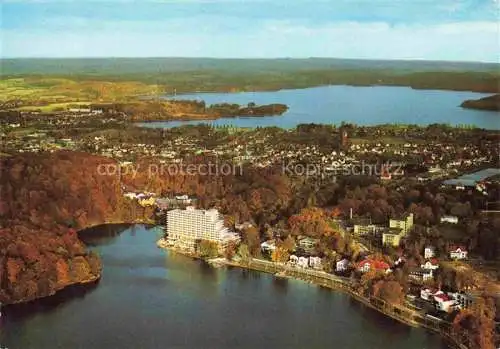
(123,66)
(44,199)
(169,75)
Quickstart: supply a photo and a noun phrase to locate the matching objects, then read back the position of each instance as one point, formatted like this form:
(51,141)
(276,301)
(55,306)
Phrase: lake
(151,298)
(360,105)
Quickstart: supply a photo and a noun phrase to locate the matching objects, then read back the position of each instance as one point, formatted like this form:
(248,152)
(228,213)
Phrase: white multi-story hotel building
(186,227)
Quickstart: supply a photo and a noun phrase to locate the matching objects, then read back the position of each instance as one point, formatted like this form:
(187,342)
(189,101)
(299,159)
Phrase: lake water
(150,298)
(359,105)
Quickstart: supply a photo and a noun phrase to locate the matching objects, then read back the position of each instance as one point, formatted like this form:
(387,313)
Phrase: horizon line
(252,58)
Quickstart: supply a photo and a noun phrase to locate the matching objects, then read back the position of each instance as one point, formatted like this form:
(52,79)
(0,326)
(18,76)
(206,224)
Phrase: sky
(455,30)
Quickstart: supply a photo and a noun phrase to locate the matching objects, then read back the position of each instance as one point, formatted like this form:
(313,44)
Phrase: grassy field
(52,106)
(48,94)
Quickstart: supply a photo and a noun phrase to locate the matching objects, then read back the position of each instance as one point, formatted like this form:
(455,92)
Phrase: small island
(196,110)
(491,103)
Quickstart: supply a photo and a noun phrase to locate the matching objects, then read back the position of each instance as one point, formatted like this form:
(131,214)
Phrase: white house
(431,264)
(429,293)
(307,243)
(449,219)
(458,252)
(269,245)
(429,252)
(444,302)
(342,265)
(315,263)
(303,262)
(421,275)
(293,259)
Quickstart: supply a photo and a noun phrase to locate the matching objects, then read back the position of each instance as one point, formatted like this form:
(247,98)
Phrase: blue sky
(458,30)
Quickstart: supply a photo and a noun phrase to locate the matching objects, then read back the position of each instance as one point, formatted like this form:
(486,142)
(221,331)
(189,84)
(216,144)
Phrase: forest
(44,200)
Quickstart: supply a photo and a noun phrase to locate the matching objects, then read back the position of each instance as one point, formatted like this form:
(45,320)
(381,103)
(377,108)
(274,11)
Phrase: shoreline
(168,96)
(203,118)
(336,283)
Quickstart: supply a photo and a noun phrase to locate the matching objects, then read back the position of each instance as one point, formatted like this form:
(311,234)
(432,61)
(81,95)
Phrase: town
(404,215)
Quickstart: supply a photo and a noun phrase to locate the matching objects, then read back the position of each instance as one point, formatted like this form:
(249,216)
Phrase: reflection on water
(280,285)
(151,298)
(103,234)
(22,312)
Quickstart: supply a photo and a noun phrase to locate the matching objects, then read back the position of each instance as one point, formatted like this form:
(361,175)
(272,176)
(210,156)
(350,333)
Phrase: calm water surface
(150,298)
(359,105)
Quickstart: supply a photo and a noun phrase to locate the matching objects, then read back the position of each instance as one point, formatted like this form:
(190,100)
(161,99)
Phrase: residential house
(449,219)
(429,252)
(303,262)
(342,265)
(458,252)
(431,264)
(268,246)
(421,275)
(315,263)
(368,264)
(306,243)
(444,302)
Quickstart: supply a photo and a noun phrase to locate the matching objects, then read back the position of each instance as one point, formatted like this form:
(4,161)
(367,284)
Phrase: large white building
(186,227)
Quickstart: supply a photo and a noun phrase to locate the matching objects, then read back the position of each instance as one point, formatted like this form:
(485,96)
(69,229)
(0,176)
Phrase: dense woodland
(203,74)
(44,199)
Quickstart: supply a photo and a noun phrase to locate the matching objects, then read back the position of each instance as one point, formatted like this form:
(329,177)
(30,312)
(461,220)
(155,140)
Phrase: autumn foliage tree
(280,255)
(310,222)
(479,322)
(389,290)
(207,249)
